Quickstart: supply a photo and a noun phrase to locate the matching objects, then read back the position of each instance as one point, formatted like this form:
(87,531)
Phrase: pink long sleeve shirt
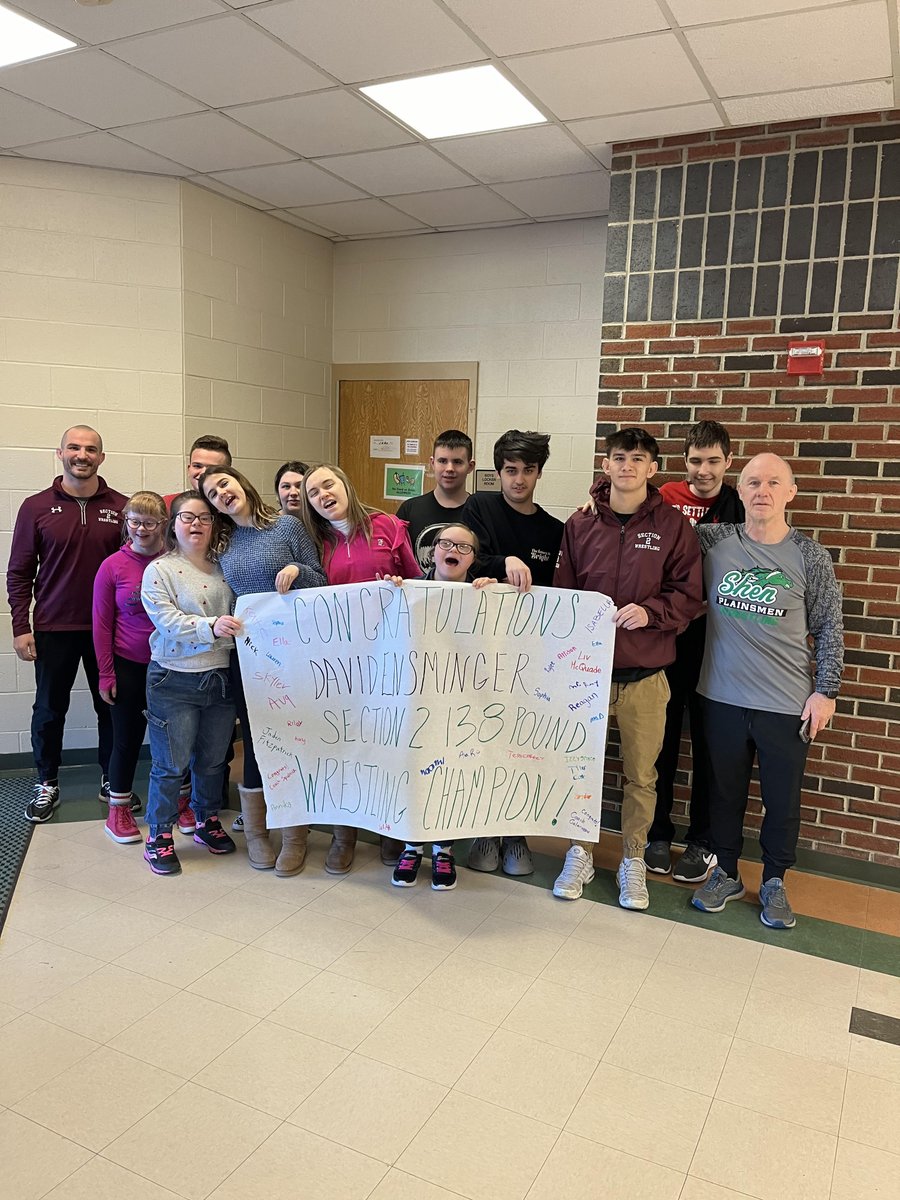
(358,561)
(120,624)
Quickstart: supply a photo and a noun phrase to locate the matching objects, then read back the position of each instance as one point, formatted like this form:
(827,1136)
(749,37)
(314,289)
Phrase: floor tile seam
(843,1007)
(709,1028)
(61,1071)
(555,1045)
(782,1120)
(183,1078)
(869,1146)
(78,1033)
(631,1154)
(213,1091)
(655,1078)
(746,1037)
(627,1154)
(179,986)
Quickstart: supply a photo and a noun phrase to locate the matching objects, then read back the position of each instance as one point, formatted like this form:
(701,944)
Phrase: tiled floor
(231,1035)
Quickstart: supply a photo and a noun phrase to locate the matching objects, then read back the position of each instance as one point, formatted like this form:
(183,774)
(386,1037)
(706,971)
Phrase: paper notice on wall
(431,710)
(411,446)
(403,481)
(383,445)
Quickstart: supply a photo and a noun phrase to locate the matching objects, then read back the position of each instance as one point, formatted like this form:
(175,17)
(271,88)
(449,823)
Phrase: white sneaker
(632,880)
(578,869)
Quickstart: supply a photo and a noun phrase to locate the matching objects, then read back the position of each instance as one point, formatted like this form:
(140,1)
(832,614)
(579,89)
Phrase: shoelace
(164,849)
(214,828)
(632,873)
(442,865)
(572,869)
(408,861)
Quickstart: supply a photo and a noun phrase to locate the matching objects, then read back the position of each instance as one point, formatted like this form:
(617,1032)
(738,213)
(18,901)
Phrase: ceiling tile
(225,61)
(518,154)
(103,150)
(565,196)
(282,214)
(701,12)
(124,18)
(841,45)
(592,81)
(289,185)
(405,169)
(22,122)
(457,206)
(815,102)
(360,217)
(93,87)
(215,185)
(326,123)
(516,26)
(654,122)
(357,40)
(206,141)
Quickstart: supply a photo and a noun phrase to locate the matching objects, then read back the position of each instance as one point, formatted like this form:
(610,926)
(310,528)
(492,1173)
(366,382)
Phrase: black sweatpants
(129,722)
(735,736)
(683,675)
(58,656)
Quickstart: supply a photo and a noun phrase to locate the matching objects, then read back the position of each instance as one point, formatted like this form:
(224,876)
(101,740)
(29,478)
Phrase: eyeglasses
(188,518)
(462,547)
(147,523)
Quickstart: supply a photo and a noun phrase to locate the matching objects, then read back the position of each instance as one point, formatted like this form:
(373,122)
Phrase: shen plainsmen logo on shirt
(753,595)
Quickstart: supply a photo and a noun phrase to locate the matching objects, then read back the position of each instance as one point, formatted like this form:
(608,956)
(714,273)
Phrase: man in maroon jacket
(643,553)
(62,536)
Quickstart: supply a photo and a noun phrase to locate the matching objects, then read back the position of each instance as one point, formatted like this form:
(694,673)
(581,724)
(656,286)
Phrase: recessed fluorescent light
(22,39)
(451,103)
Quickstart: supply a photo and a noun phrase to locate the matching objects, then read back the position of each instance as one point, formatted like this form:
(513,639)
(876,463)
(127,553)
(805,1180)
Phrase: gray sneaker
(717,891)
(694,865)
(517,858)
(776,911)
(658,857)
(484,854)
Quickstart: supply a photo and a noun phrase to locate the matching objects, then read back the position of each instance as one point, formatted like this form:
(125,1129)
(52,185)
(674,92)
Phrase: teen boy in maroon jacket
(644,554)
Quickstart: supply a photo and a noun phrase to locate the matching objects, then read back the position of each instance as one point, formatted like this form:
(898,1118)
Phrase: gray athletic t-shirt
(764,603)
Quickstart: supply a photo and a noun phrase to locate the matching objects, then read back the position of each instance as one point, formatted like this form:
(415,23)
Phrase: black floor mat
(15,835)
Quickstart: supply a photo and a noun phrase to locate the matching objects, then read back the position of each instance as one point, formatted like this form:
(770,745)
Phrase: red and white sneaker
(120,824)
(187,822)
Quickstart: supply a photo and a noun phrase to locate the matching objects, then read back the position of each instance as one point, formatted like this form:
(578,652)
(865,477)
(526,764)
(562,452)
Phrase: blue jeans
(190,719)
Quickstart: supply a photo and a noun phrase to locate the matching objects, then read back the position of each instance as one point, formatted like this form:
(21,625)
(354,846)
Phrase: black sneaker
(443,872)
(43,804)
(103,794)
(407,869)
(211,835)
(658,858)
(160,854)
(695,864)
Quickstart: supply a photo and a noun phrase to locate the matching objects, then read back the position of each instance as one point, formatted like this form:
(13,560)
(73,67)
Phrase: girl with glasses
(455,551)
(262,550)
(122,644)
(190,709)
(358,544)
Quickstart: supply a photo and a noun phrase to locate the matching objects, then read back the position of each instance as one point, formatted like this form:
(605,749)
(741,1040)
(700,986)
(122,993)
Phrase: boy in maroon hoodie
(643,553)
(62,535)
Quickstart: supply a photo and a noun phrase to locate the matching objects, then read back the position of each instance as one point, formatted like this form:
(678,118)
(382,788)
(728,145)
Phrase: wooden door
(404,409)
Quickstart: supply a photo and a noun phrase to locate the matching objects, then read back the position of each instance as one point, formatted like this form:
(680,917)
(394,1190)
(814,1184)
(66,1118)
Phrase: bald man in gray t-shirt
(769,589)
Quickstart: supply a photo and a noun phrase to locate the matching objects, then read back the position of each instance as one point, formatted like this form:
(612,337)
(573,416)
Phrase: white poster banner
(430,711)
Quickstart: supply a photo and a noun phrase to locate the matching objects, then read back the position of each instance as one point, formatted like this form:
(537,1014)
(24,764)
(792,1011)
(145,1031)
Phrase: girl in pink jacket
(121,640)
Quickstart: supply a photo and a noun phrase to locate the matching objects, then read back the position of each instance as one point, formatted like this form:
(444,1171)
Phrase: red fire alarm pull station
(806,358)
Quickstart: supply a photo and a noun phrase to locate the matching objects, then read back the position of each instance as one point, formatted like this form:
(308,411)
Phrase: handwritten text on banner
(430,711)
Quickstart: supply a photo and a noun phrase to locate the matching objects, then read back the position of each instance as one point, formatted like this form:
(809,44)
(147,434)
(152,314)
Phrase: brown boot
(259,851)
(340,853)
(391,850)
(293,850)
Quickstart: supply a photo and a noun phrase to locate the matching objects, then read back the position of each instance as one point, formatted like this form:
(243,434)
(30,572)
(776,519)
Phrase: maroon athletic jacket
(58,544)
(653,560)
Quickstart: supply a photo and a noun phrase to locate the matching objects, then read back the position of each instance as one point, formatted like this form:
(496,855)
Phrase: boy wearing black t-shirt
(519,544)
(452,464)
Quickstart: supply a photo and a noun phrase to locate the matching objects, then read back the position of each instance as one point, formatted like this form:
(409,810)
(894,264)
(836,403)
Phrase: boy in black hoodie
(705,499)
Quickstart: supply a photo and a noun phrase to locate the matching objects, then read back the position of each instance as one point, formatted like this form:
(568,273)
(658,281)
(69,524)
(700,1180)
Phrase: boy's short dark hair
(528,447)
(217,445)
(705,435)
(454,439)
(633,438)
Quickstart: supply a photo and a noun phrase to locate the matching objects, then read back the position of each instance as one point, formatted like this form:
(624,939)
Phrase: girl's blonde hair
(322,531)
(262,515)
(144,504)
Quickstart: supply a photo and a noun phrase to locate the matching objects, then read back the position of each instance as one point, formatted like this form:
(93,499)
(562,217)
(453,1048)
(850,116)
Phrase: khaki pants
(640,712)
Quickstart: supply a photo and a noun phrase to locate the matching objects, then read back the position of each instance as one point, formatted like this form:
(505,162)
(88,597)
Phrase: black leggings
(252,777)
(128,721)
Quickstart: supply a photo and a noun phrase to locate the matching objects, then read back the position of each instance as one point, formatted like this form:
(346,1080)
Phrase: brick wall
(723,247)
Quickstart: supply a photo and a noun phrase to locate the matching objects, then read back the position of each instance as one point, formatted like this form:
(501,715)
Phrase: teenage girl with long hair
(357,544)
(261,550)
